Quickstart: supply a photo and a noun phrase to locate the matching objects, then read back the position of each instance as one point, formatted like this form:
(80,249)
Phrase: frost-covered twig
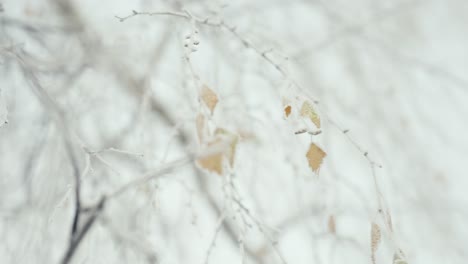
(232,29)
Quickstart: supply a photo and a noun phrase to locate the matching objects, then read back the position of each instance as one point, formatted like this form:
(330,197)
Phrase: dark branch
(81,233)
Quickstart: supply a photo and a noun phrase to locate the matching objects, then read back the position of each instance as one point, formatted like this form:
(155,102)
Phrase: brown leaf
(308,111)
(287,110)
(213,163)
(209,97)
(315,157)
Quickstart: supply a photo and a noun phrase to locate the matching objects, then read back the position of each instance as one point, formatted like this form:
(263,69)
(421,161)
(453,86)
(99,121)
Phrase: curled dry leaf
(332,224)
(209,97)
(215,163)
(375,240)
(315,156)
(287,110)
(308,110)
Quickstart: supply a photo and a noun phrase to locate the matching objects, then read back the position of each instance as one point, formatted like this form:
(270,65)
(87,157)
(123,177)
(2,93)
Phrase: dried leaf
(287,110)
(213,163)
(331,224)
(308,111)
(375,240)
(209,97)
(315,157)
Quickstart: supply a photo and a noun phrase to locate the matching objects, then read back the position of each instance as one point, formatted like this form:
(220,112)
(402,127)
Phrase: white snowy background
(118,99)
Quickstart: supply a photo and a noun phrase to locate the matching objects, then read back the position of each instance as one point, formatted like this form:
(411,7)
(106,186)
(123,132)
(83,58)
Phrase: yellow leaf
(209,97)
(308,111)
(315,157)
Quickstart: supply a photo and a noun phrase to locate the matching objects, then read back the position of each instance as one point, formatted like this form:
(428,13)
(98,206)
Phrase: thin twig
(77,232)
(219,225)
(150,175)
(232,29)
